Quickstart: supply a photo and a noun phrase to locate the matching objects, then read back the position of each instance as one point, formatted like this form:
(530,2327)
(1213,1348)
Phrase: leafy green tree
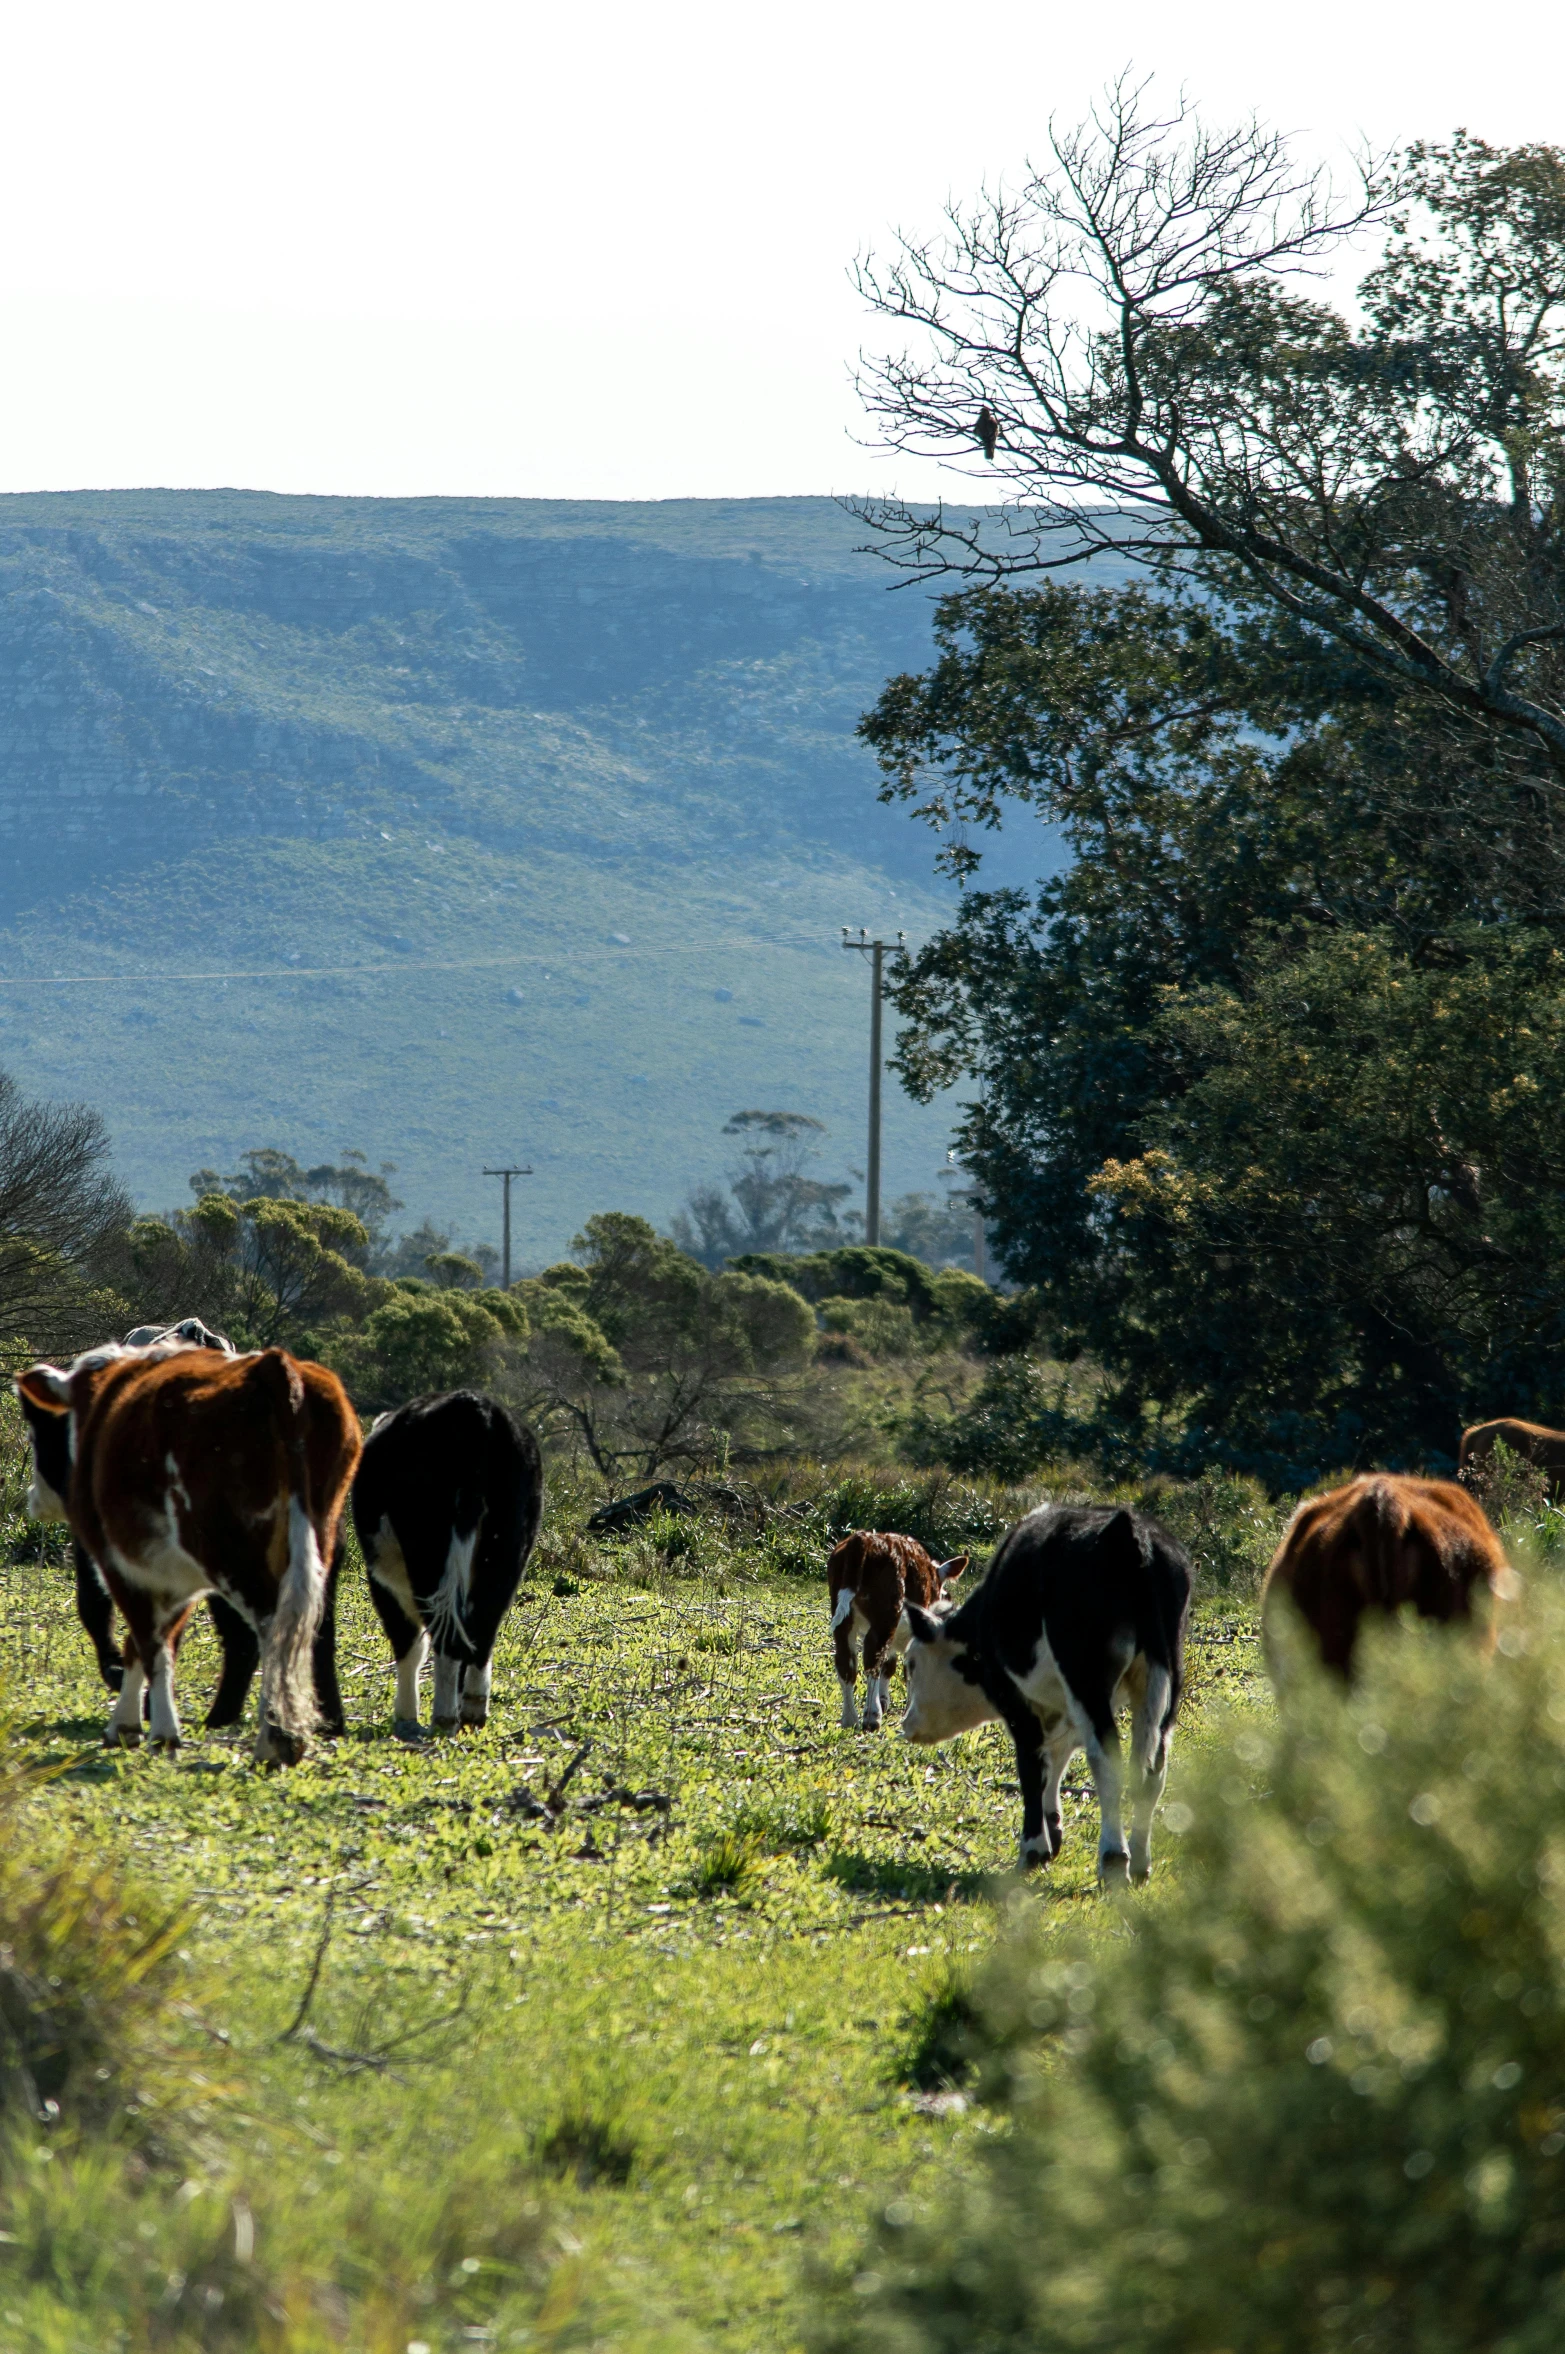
(1245,774)
(421,1340)
(267,1172)
(697,1358)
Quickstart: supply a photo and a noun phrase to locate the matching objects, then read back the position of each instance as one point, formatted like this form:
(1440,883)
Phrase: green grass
(652,2041)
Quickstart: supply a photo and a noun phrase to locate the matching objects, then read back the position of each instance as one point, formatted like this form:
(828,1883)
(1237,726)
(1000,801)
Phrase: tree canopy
(1257,1070)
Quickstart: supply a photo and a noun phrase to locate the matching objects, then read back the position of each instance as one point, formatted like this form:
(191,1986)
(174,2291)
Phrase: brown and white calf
(873,1575)
(1381,1543)
(193,1473)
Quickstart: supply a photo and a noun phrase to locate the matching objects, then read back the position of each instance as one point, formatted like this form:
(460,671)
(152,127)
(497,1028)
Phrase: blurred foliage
(1315,2097)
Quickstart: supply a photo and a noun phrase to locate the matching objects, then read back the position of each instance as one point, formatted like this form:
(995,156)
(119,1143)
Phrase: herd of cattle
(188,1471)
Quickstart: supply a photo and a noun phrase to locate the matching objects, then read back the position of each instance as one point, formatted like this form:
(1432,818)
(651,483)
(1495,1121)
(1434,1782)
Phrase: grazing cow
(241,1653)
(1381,1542)
(1546,1448)
(872,1575)
(446,1503)
(1083,1609)
(191,1472)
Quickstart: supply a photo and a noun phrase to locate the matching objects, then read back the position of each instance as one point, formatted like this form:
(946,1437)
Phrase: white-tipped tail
(844,1609)
(446,1617)
(287,1679)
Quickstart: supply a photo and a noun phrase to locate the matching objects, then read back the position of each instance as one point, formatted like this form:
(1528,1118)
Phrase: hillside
(449,830)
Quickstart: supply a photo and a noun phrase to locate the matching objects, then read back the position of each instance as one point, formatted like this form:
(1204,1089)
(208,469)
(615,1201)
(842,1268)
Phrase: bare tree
(1130,333)
(63,1220)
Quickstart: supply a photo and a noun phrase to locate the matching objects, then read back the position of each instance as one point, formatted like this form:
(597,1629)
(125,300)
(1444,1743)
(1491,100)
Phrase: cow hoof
(122,1737)
(1114,1870)
(274,1748)
(872,1724)
(406,1728)
(1140,1874)
(1036,1855)
(475,1712)
(165,1744)
(444,1724)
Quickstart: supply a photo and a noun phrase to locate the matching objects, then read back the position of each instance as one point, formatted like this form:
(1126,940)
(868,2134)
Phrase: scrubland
(618,2022)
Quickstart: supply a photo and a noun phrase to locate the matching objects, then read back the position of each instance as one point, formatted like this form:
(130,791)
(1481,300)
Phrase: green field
(664,2103)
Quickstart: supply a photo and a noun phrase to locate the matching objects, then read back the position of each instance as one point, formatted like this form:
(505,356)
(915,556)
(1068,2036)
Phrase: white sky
(589,251)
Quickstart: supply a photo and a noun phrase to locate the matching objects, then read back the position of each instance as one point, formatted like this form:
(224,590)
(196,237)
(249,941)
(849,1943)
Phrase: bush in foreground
(1315,2097)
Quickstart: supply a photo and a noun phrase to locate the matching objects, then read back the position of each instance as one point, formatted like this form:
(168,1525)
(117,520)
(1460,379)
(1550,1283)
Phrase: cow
(241,1653)
(1545,1448)
(1378,1544)
(446,1503)
(190,1472)
(1084,1609)
(872,1575)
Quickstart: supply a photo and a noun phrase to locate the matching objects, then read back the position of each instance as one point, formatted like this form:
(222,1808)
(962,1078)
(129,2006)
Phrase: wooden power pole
(875,950)
(505,1254)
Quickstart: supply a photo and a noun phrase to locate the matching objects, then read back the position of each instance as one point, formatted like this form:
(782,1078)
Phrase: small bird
(988,430)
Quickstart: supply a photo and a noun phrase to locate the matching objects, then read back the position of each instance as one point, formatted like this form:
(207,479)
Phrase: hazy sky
(589,251)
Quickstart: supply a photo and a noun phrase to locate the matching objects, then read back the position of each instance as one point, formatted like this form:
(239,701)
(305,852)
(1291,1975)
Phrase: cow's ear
(947,1570)
(925,1628)
(46,1388)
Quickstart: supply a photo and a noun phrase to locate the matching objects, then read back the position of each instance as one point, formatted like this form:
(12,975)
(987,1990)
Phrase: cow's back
(1380,1543)
(1533,1441)
(1075,1575)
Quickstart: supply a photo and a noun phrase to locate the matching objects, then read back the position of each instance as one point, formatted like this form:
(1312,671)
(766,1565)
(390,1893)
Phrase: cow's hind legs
(1101,1742)
(448,1685)
(1027,1734)
(410,1667)
(1059,1746)
(163,1715)
(123,1730)
(1149,1742)
(475,1693)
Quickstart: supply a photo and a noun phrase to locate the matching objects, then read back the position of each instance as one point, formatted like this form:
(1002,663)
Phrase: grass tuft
(587,2146)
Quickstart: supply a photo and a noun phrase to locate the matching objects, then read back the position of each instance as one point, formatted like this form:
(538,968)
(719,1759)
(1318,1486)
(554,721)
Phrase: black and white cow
(447,1501)
(1083,1609)
(51,1436)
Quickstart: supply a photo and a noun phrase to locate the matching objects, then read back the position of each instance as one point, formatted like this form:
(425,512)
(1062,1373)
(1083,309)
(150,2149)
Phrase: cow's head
(52,1401)
(45,1395)
(945,1693)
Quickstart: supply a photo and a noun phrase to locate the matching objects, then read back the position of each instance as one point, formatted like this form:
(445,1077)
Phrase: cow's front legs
(95,1609)
(1027,1734)
(878,1663)
(1060,1746)
(845,1653)
(448,1688)
(475,1693)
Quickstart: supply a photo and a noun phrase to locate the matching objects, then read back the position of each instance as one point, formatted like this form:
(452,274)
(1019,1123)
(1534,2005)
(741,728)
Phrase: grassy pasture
(617,2058)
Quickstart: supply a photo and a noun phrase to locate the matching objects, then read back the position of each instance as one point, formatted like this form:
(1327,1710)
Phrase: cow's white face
(942,1700)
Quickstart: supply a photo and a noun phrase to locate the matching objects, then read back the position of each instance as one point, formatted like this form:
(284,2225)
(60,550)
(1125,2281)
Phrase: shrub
(1316,2098)
(86,1974)
(1225,1523)
(585,2146)
(881,1327)
(727,1863)
(1510,1487)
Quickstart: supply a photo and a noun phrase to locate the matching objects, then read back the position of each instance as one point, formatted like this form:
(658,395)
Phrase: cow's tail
(844,1610)
(287,1681)
(1382,1532)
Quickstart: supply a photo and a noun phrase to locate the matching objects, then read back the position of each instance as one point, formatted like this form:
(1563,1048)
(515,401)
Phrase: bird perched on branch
(988,430)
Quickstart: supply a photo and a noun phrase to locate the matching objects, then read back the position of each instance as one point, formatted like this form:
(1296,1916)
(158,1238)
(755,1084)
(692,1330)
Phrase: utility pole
(505,1255)
(875,950)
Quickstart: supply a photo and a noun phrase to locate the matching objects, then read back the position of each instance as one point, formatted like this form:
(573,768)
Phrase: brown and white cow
(1380,1544)
(191,1473)
(1545,1448)
(873,1575)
